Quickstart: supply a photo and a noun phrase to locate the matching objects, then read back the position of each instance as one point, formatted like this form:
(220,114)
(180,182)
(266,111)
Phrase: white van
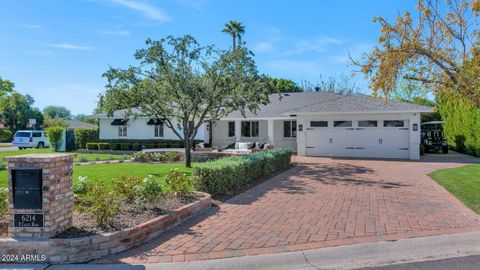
(30,139)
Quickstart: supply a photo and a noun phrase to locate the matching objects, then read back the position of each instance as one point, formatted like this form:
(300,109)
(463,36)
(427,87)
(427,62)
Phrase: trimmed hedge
(103,146)
(92,146)
(225,175)
(462,118)
(85,135)
(147,144)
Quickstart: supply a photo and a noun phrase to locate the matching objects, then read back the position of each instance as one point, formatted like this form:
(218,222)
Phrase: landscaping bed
(129,215)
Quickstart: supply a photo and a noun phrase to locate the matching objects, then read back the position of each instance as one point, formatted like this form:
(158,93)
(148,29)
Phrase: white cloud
(195,4)
(320,44)
(30,26)
(114,32)
(265,46)
(68,46)
(148,10)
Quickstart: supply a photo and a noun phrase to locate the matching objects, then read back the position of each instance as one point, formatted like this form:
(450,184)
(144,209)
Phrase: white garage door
(375,142)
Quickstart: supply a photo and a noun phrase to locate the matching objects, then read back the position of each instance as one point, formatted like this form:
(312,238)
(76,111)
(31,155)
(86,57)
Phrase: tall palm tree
(236,29)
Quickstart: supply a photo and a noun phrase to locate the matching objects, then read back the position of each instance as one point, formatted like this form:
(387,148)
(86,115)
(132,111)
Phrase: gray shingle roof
(361,103)
(73,124)
(280,104)
(315,102)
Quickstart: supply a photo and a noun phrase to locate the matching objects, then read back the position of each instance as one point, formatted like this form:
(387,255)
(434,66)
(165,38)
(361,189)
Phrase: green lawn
(106,172)
(463,182)
(80,156)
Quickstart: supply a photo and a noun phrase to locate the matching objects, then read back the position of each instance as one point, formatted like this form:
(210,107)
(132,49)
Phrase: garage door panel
(358,142)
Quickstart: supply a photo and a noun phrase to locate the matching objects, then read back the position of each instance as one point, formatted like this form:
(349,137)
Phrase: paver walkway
(321,202)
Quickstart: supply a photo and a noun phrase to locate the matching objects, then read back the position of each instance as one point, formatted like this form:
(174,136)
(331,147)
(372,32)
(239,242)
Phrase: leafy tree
(408,90)
(55,122)
(16,110)
(179,81)
(431,48)
(341,84)
(236,30)
(82,117)
(6,87)
(54,112)
(280,85)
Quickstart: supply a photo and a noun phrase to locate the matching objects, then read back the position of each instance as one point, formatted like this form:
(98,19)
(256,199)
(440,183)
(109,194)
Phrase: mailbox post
(40,199)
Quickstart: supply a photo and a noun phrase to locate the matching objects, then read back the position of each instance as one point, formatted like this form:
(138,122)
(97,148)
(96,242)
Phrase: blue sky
(57,50)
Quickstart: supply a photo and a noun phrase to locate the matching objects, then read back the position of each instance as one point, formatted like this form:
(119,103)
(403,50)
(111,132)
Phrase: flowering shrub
(126,186)
(148,191)
(101,203)
(82,186)
(179,183)
(151,157)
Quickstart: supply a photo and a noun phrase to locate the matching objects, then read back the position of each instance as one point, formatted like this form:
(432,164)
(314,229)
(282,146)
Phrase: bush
(126,186)
(55,136)
(172,156)
(103,146)
(148,191)
(92,146)
(136,146)
(114,146)
(462,118)
(125,146)
(85,135)
(149,157)
(225,175)
(3,202)
(178,183)
(5,135)
(101,203)
(141,157)
(82,186)
(3,166)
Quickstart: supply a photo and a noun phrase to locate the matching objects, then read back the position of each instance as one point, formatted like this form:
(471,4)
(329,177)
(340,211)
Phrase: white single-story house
(310,123)
(116,127)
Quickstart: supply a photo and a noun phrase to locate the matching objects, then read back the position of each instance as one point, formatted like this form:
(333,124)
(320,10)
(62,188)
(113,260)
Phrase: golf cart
(433,139)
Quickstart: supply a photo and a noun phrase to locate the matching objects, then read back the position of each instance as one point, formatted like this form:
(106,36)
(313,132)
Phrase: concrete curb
(344,257)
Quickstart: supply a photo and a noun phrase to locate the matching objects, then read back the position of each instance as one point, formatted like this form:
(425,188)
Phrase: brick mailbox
(40,199)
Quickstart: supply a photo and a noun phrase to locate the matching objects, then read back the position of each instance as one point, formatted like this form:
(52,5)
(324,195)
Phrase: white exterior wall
(409,118)
(221,139)
(138,129)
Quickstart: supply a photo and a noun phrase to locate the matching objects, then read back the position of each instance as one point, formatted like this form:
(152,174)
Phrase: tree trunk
(188,156)
(234,41)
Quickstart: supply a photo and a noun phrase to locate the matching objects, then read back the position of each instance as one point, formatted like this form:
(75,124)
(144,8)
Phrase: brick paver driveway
(320,202)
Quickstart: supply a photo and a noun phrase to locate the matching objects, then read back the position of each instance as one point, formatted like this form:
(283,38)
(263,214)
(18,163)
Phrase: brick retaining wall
(87,248)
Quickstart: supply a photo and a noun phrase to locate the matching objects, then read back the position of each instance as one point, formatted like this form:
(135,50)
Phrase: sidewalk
(344,257)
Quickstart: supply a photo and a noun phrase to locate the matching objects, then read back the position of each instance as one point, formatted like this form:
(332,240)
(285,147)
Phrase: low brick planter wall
(74,250)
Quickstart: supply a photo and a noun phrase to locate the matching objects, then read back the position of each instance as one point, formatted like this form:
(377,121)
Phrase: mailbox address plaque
(27,220)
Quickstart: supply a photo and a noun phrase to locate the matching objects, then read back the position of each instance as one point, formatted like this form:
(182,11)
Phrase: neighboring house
(310,123)
(73,124)
(118,128)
